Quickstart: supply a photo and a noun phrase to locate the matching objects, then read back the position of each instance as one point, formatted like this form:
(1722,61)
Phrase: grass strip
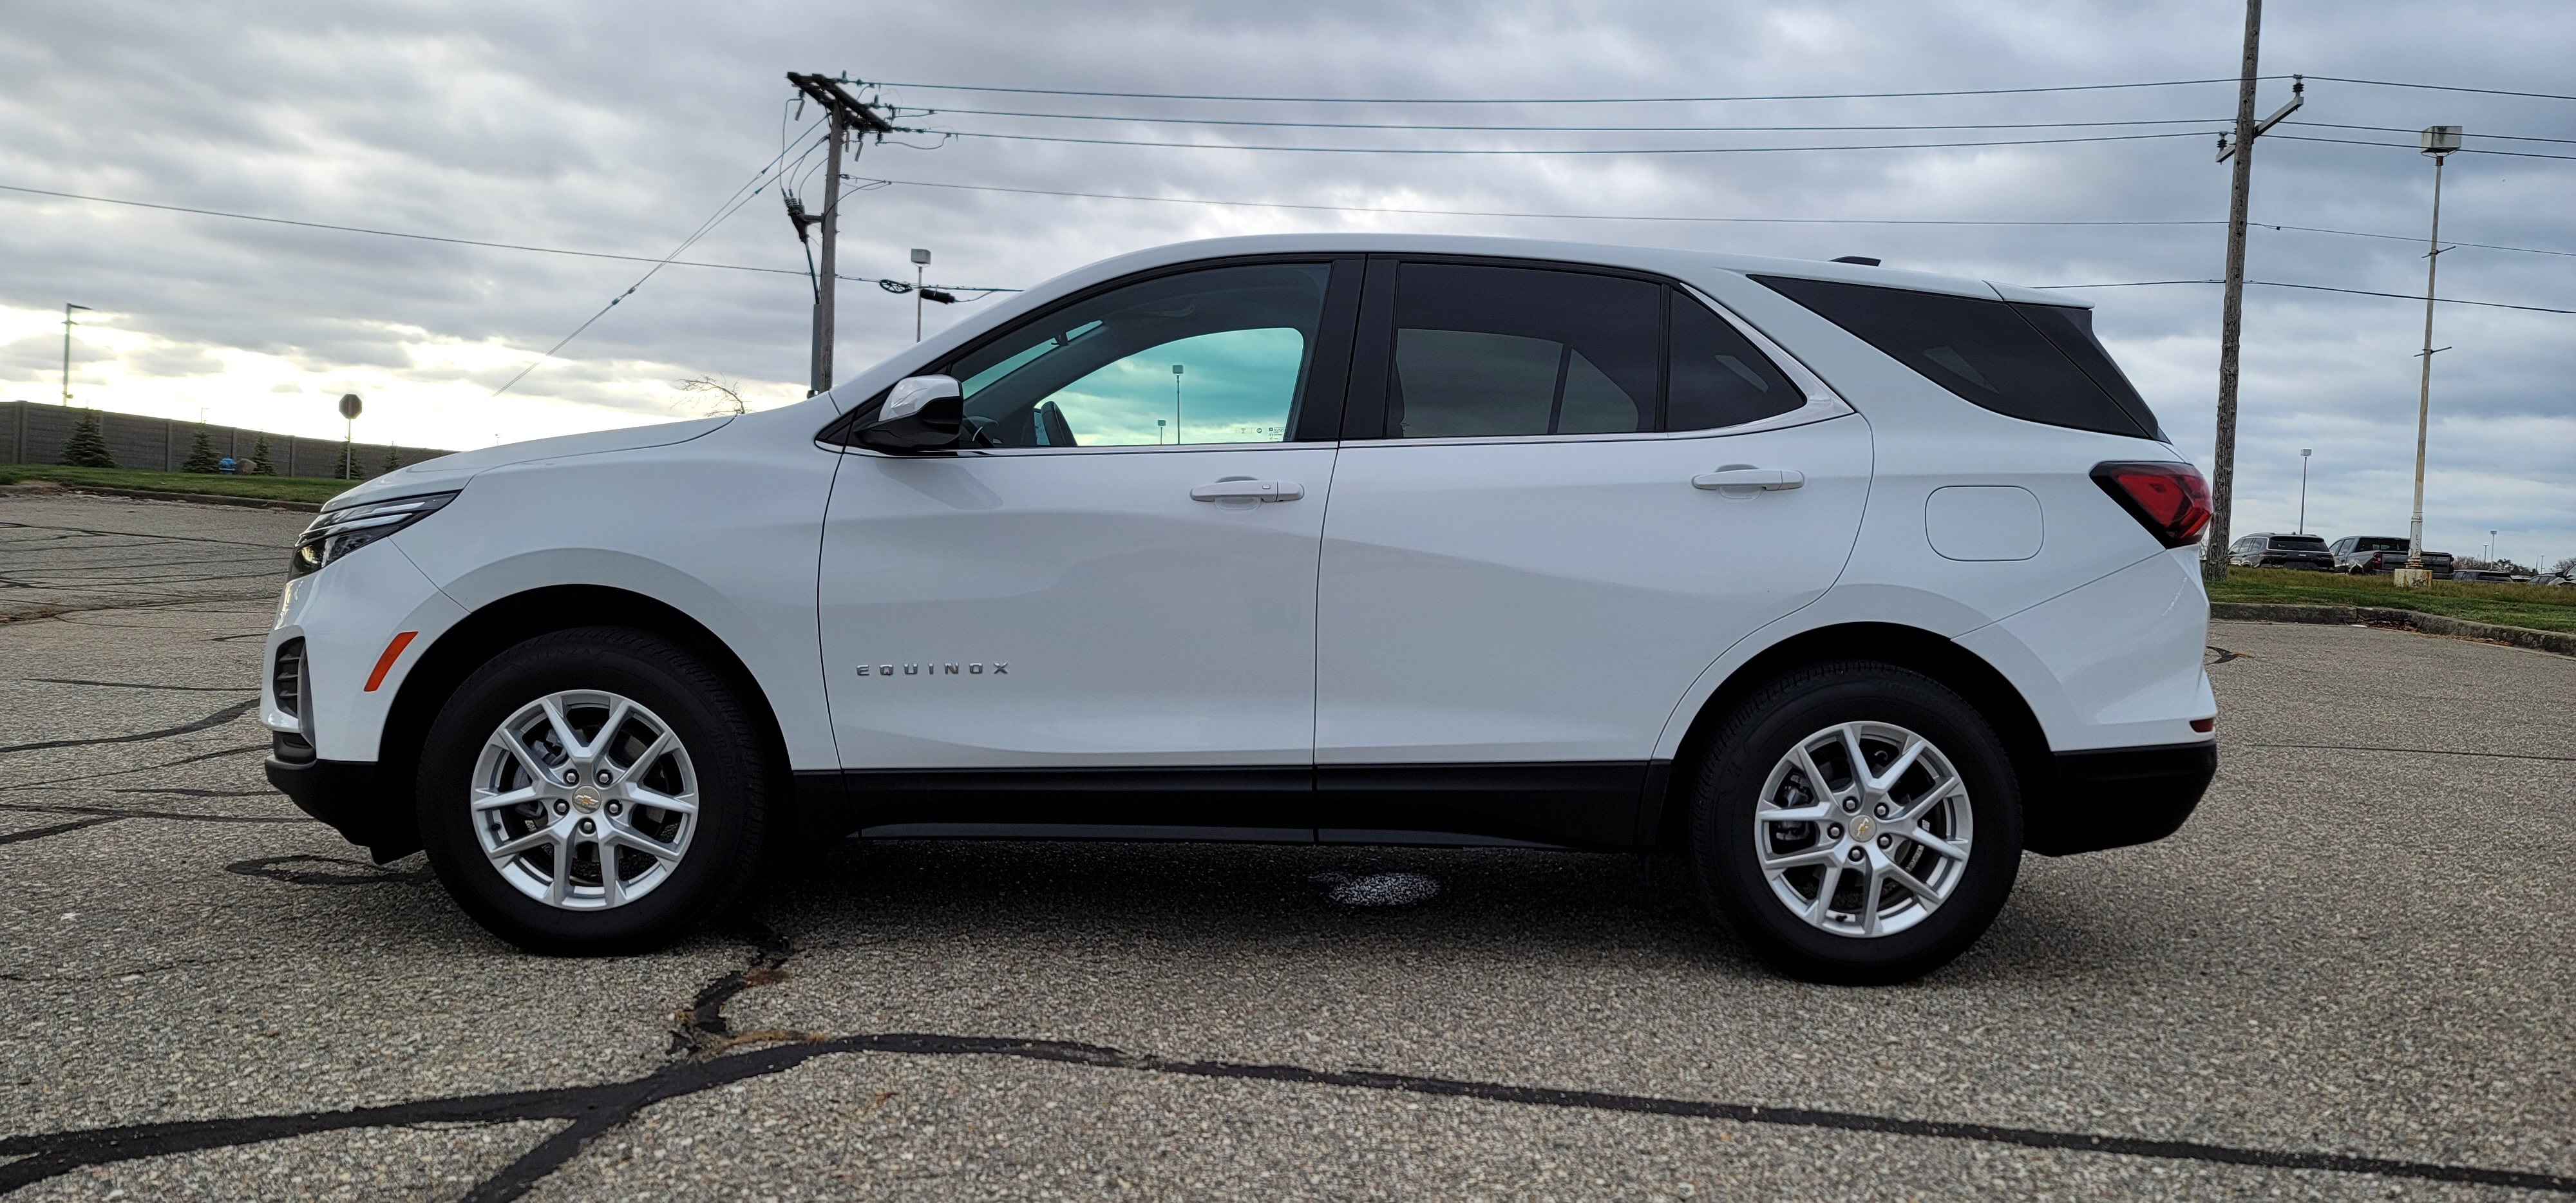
(258,488)
(2541,608)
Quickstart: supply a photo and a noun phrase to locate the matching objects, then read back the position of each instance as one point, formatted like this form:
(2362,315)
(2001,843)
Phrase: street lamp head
(2441,140)
(2303,452)
(922,257)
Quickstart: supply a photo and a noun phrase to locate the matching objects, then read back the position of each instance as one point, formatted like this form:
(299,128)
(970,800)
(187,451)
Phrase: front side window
(1213,356)
(2039,363)
(1509,351)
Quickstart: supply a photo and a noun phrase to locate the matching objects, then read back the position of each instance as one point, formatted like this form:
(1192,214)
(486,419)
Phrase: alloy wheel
(584,800)
(1863,829)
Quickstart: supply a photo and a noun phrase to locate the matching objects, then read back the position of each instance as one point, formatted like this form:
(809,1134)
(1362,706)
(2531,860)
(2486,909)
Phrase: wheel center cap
(585,803)
(1861,827)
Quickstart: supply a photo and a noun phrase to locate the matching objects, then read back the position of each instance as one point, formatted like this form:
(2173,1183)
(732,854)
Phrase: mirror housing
(921,413)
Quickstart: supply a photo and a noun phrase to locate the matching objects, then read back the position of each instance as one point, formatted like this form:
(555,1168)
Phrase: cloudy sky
(623,128)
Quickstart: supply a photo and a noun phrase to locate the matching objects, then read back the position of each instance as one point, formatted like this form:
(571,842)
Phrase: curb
(259,503)
(2561,642)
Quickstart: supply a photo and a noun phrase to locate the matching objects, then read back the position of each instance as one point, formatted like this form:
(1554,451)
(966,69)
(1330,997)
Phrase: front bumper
(347,795)
(2116,797)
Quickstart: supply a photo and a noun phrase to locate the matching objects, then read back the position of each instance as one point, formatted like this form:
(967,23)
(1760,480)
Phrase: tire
(1960,794)
(683,738)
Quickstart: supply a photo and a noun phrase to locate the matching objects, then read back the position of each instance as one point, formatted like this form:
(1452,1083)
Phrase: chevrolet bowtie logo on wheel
(997,668)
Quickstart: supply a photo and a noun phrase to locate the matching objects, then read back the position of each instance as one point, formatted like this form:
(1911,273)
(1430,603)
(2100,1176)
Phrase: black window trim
(1319,412)
(1373,355)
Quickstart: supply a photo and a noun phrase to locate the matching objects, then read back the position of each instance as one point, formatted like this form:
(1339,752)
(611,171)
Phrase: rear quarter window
(2039,363)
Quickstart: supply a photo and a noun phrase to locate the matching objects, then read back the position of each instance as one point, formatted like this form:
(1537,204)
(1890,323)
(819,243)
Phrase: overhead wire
(2164,83)
(1586,151)
(1566,129)
(2364,292)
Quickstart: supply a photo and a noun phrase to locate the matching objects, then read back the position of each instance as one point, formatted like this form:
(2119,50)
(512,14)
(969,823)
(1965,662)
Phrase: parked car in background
(2383,553)
(2481,574)
(2267,550)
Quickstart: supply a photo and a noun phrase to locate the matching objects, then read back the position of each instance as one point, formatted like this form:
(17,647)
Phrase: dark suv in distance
(2383,553)
(2267,550)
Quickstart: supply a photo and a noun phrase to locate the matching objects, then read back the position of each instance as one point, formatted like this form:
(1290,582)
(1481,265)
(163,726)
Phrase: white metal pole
(2303,488)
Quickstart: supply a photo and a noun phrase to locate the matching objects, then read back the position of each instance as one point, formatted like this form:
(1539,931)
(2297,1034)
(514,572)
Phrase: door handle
(1255,490)
(1766,479)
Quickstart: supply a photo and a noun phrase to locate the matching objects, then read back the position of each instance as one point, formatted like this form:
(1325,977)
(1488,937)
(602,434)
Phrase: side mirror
(921,413)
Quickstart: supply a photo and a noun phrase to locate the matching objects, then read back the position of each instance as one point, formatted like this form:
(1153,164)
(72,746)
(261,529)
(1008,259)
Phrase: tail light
(2170,500)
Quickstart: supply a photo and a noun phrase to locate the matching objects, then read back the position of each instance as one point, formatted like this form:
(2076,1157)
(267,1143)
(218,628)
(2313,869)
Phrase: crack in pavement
(2222,657)
(2416,751)
(217,719)
(114,813)
(142,685)
(38,833)
(596,1109)
(262,746)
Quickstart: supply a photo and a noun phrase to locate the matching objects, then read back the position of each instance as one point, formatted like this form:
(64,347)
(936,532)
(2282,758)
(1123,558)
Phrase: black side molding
(2116,797)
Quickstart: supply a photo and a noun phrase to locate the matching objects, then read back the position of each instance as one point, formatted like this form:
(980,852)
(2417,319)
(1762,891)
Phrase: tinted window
(2378,544)
(1216,356)
(1718,379)
(2299,542)
(2035,362)
(1521,351)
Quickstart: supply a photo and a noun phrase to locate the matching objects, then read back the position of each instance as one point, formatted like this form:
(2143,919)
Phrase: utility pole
(2438,140)
(847,114)
(1176,403)
(2231,322)
(67,350)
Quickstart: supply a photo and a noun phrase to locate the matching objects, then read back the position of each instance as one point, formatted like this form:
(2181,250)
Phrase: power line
(2385,83)
(2393,129)
(2466,150)
(1695,219)
(2362,292)
(2164,83)
(1659,150)
(1571,129)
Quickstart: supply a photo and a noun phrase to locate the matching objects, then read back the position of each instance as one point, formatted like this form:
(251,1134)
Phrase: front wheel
(592,791)
(1856,823)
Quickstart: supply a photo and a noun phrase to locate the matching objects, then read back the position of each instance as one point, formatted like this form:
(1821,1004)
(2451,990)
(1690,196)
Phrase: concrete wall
(33,432)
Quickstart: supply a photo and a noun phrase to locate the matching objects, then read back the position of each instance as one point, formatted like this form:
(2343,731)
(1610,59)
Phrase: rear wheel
(1857,823)
(595,790)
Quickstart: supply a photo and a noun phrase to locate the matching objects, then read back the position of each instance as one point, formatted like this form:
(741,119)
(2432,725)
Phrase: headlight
(336,533)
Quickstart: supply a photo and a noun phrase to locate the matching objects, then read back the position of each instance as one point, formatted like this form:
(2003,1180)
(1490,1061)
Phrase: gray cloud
(619,128)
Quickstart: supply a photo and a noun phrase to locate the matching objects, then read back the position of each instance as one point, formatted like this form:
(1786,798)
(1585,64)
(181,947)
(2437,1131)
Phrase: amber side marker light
(385,663)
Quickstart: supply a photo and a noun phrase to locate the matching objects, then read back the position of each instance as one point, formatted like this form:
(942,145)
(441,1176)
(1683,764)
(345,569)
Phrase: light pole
(1176,405)
(67,349)
(2438,140)
(920,265)
(2303,488)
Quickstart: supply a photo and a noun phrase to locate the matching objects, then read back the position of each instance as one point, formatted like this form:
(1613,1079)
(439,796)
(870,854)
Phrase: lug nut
(572,776)
(604,778)
(562,807)
(1850,805)
(1833,831)
(616,808)
(1855,855)
(587,827)
(1884,841)
(1882,810)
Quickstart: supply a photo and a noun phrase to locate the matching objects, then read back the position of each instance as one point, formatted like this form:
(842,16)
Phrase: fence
(33,432)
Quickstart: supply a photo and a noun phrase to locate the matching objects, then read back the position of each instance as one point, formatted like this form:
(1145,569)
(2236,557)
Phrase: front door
(1100,608)
(1563,522)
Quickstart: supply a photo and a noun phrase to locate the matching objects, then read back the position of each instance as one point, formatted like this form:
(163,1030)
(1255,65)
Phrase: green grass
(2534,606)
(264,488)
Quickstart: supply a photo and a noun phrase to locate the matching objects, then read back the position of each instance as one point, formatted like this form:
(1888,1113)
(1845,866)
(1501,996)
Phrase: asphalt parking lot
(2349,977)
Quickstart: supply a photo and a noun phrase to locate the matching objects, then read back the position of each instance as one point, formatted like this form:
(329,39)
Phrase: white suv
(1848,584)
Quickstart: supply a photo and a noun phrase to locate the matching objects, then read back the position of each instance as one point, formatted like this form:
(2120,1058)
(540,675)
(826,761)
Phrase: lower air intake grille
(286,679)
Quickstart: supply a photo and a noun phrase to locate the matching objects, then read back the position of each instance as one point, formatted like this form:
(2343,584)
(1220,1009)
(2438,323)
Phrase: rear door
(1549,517)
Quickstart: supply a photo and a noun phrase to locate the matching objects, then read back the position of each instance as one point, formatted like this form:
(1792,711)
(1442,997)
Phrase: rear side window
(2039,363)
(2368,543)
(2299,542)
(1500,351)
(1718,379)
